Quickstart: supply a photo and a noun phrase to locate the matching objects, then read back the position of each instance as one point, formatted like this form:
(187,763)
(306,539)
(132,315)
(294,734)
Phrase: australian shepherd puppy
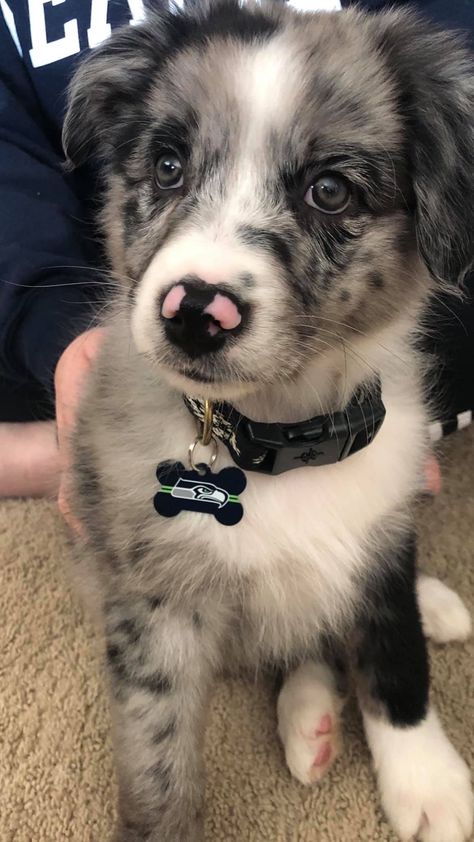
(282,193)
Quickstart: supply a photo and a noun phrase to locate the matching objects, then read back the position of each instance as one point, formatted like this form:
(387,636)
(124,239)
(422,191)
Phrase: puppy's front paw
(444,616)
(426,791)
(308,722)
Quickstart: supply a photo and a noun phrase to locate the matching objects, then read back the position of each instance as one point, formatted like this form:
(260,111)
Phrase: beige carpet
(56,779)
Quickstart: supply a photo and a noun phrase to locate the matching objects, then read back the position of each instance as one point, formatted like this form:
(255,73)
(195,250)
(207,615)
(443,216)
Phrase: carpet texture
(56,777)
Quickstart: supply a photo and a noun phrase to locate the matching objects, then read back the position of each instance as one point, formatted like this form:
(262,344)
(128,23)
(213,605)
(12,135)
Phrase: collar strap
(275,448)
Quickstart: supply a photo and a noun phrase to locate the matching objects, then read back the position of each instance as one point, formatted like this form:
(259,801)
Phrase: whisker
(343,324)
(66,284)
(451,312)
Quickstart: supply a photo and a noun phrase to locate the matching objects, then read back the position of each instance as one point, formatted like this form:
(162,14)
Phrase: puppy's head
(276,182)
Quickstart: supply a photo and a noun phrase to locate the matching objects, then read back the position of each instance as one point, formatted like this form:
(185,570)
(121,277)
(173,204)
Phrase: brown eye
(330,193)
(169,171)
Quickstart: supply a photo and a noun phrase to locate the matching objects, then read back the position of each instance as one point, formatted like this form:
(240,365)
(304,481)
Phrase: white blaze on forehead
(316,5)
(268,79)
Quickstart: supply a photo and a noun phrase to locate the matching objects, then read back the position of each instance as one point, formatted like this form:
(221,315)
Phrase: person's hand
(71,371)
(433,481)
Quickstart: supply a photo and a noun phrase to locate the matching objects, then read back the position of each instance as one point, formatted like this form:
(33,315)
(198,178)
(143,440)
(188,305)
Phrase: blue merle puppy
(282,193)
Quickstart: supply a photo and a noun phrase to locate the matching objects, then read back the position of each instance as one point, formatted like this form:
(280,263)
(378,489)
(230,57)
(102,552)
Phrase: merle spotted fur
(257,101)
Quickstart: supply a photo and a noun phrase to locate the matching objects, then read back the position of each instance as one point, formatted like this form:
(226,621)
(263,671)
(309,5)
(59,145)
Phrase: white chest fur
(305,535)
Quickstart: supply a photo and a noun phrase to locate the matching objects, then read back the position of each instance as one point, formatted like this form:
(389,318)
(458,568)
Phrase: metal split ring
(192,448)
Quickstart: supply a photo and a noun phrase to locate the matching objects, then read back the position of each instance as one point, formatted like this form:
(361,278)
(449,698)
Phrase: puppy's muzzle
(200,317)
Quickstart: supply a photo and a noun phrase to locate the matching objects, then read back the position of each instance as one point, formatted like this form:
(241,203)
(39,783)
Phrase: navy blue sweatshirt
(49,256)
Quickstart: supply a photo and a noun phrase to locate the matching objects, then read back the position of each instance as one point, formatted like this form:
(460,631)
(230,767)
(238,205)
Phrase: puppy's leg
(309,707)
(444,616)
(159,666)
(424,783)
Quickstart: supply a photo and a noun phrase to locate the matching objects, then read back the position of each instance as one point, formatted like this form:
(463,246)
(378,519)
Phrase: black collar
(275,448)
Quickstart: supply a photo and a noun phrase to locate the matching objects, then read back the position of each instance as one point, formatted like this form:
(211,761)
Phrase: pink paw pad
(325,725)
(324,755)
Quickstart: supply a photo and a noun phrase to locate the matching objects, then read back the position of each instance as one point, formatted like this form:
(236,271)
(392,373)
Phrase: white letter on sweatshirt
(44,51)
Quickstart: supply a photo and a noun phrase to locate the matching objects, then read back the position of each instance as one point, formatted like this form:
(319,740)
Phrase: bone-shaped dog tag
(200,491)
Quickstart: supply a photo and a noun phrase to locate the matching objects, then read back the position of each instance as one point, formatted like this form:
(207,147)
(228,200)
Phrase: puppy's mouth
(207,380)
(198,376)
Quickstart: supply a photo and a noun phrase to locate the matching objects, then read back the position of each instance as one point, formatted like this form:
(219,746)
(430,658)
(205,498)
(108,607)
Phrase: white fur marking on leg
(444,616)
(424,784)
(308,721)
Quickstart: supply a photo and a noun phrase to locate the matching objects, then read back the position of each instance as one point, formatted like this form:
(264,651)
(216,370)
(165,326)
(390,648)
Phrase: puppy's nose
(199,317)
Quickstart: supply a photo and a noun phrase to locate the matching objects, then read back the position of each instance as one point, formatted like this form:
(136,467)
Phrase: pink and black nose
(200,317)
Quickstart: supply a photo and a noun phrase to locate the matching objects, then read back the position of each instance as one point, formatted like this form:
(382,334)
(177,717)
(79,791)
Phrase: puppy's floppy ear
(434,78)
(111,83)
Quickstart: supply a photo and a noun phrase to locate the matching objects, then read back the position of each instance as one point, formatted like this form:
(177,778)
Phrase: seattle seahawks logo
(191,491)
(186,489)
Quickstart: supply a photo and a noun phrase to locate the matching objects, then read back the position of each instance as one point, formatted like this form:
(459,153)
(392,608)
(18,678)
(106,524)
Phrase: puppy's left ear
(434,81)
